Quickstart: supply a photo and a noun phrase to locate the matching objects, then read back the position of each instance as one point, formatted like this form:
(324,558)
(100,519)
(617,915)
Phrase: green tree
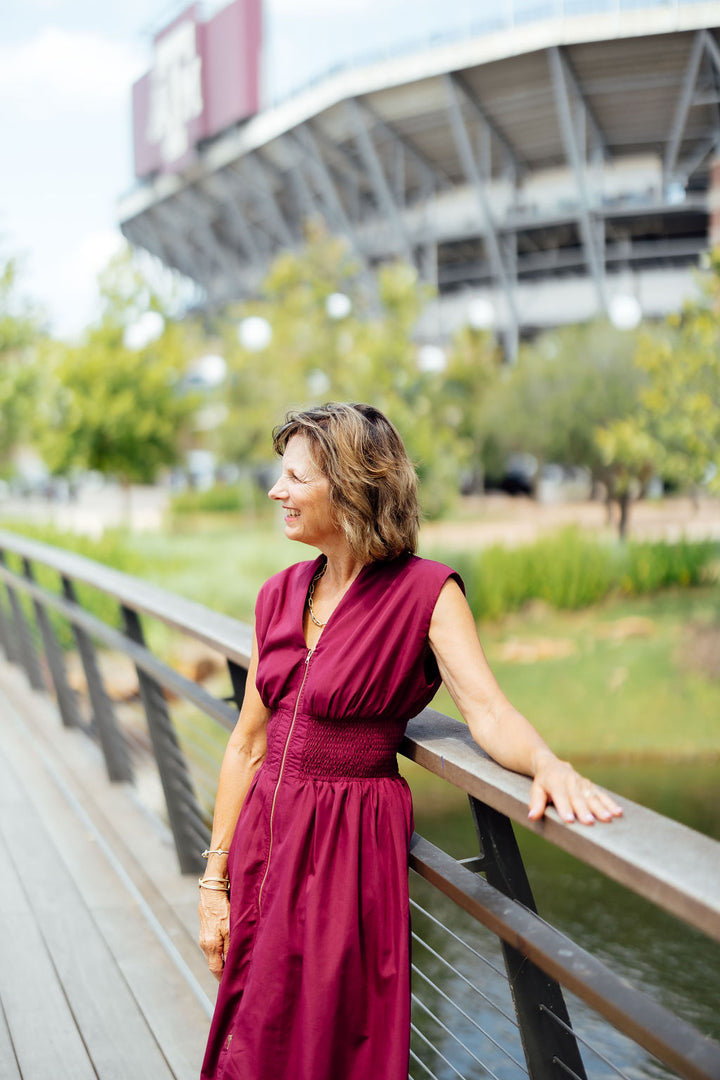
(681,402)
(366,354)
(112,408)
(20,330)
(470,379)
(674,429)
(564,385)
(629,456)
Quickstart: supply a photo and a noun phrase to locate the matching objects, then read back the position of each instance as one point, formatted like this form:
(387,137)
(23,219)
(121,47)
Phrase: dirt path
(495,519)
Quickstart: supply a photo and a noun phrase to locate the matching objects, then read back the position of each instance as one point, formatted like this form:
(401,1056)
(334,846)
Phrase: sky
(66,70)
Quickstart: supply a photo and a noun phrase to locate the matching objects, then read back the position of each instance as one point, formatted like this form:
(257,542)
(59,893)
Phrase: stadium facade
(538,170)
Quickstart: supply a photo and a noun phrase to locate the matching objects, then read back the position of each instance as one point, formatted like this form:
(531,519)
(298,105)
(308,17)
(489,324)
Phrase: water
(657,953)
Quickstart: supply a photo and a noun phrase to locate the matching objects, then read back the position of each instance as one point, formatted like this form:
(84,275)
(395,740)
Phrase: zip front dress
(316,984)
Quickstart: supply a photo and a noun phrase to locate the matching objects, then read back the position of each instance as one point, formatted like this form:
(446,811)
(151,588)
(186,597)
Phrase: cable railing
(497,991)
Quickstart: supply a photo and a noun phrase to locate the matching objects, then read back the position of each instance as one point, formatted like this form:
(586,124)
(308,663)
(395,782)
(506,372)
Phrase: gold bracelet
(218,851)
(203,883)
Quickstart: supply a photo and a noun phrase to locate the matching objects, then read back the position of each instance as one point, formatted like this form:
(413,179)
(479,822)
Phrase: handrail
(675,867)
(229,636)
(672,866)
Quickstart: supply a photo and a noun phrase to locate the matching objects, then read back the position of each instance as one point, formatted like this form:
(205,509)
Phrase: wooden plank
(113,1028)
(174,1015)
(9,1068)
(142,845)
(10,790)
(44,1033)
(168,1004)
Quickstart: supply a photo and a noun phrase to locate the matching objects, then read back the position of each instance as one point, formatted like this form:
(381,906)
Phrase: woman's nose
(276,491)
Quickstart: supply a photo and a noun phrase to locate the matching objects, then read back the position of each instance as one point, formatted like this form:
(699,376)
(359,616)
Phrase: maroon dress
(316,983)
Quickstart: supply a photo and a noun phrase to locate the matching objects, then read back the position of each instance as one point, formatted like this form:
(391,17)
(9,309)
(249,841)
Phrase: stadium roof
(575,146)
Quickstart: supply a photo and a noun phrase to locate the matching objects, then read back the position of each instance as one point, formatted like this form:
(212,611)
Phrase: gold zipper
(282,767)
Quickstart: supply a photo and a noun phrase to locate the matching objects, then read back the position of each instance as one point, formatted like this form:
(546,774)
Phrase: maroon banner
(205,77)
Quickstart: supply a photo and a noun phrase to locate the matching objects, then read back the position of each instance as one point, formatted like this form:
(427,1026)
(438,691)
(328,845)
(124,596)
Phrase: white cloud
(74,291)
(76,69)
(93,253)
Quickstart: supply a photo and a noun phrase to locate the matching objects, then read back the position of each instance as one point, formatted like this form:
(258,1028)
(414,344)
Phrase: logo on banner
(175,91)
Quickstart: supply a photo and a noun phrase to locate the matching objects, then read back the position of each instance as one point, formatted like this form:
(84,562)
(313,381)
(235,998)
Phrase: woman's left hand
(574,796)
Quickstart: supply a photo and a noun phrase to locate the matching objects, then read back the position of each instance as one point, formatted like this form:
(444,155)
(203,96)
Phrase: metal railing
(500,1026)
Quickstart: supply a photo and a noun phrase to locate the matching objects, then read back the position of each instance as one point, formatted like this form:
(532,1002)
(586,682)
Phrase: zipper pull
(307,658)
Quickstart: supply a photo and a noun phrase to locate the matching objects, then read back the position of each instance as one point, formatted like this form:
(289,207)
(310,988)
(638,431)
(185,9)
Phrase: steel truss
(441,173)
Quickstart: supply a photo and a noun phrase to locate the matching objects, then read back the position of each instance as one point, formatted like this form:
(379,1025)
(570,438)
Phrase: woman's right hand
(214,908)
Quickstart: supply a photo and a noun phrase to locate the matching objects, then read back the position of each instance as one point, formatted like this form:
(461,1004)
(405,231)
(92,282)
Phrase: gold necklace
(311,590)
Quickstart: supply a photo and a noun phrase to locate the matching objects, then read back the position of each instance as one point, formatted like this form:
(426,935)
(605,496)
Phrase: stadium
(548,164)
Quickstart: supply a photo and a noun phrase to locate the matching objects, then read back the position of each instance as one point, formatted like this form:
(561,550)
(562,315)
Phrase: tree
(681,401)
(474,367)
(564,385)
(629,454)
(674,428)
(364,352)
(20,330)
(111,408)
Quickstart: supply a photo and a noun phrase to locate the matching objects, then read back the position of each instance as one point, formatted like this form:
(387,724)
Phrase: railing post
(238,678)
(114,747)
(551,1053)
(6,639)
(25,653)
(180,798)
(54,656)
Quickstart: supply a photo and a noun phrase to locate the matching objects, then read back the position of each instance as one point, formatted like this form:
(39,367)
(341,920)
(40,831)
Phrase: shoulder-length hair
(373,485)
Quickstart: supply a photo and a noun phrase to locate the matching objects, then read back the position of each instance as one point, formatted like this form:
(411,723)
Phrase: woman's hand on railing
(214,909)
(574,796)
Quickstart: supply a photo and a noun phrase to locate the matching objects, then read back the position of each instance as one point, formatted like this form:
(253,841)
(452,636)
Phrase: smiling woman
(305,495)
(372,486)
(304,910)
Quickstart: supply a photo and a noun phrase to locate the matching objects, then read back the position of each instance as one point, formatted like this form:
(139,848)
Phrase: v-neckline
(315,567)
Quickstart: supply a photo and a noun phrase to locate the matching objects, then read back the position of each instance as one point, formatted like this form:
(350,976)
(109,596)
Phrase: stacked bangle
(222,884)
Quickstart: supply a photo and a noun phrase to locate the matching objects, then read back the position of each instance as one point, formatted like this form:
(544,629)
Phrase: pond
(654,951)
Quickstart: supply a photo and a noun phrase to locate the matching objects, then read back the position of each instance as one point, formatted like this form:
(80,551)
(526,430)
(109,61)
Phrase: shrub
(653,566)
(572,570)
(220,499)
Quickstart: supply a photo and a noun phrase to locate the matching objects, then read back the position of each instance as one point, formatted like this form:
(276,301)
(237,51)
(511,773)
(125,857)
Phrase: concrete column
(714,204)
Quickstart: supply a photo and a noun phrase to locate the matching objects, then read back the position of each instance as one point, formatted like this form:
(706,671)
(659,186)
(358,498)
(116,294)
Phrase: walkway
(100,974)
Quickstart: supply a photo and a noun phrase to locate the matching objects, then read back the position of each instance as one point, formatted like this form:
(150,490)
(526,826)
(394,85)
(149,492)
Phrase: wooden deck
(100,973)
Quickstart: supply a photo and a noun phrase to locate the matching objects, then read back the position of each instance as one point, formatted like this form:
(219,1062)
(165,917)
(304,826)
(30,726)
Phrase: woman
(312,820)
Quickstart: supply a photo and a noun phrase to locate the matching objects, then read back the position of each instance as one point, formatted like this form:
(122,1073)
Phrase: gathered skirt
(316,983)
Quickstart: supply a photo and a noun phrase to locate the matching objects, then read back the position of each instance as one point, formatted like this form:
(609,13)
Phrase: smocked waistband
(329,748)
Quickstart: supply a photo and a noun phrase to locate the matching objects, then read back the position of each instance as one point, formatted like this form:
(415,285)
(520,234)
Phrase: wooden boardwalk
(100,973)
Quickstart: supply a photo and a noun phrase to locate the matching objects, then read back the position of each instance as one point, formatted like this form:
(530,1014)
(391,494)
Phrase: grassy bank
(627,678)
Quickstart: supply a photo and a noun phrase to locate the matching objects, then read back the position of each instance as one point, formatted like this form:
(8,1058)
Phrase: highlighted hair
(373,486)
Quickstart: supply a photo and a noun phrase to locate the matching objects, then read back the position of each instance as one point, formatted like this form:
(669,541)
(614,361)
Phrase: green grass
(222,568)
(614,697)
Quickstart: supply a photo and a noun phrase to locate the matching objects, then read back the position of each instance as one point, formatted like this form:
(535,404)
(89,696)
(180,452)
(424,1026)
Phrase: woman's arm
(244,754)
(497,726)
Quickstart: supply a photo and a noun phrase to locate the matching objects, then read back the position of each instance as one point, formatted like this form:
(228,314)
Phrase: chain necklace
(311,590)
